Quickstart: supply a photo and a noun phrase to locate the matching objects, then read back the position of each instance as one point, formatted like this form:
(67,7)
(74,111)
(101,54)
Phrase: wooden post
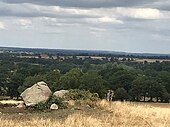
(110,95)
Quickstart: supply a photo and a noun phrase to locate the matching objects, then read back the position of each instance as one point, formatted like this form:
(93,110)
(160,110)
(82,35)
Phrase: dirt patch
(9,108)
(2,106)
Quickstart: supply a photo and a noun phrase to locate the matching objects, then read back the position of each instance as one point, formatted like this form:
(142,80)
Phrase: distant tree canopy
(70,80)
(93,82)
(128,79)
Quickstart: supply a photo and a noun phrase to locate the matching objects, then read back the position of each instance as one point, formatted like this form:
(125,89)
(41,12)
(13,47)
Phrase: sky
(140,26)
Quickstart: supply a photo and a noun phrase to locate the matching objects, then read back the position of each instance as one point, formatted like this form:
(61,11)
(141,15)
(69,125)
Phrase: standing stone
(39,92)
(60,93)
(54,107)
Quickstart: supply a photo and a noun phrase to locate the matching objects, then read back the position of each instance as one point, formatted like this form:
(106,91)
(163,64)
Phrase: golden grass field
(114,114)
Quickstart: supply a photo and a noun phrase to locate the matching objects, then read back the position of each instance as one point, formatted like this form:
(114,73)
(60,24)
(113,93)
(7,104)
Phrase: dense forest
(129,80)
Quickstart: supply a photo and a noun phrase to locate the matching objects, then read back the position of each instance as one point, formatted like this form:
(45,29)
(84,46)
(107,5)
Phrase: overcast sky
(117,25)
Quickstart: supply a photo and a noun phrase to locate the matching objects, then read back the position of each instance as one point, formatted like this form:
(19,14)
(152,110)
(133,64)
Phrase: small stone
(21,105)
(20,113)
(54,107)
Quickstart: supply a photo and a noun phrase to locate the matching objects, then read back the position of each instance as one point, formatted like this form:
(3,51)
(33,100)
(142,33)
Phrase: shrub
(82,97)
(52,99)
(76,94)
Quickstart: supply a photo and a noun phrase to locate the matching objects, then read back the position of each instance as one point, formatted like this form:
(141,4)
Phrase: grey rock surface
(39,92)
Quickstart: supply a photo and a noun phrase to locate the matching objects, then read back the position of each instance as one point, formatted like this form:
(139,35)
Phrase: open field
(115,114)
(156,105)
(151,60)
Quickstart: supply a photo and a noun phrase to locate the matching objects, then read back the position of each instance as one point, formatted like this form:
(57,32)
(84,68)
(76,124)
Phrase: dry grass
(13,102)
(115,114)
(135,115)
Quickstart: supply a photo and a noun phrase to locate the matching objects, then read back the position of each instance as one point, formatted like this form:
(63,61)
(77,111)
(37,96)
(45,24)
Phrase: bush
(52,99)
(40,106)
(76,94)
(81,97)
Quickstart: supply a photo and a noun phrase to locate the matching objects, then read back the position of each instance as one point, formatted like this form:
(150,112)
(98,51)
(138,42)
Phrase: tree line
(129,80)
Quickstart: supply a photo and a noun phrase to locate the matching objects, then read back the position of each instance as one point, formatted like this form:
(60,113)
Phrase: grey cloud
(162,5)
(25,9)
(89,22)
(87,3)
(156,27)
(29,10)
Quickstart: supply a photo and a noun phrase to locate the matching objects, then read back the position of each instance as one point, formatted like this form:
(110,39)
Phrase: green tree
(3,83)
(16,81)
(154,88)
(31,80)
(93,81)
(122,78)
(121,94)
(164,78)
(139,89)
(70,80)
(52,78)
(86,66)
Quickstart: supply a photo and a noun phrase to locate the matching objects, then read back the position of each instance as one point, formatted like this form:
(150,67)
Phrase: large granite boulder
(60,93)
(39,92)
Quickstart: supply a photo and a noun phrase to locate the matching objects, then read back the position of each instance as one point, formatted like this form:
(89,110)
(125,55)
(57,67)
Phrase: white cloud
(107,19)
(147,13)
(140,13)
(2,26)
(24,22)
(104,15)
(104,20)
(98,29)
(59,22)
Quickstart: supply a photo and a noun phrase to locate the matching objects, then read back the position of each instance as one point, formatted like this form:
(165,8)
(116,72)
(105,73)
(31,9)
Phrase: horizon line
(103,50)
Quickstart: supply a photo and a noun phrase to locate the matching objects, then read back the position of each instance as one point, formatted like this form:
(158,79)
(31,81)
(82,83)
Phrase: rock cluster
(40,92)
